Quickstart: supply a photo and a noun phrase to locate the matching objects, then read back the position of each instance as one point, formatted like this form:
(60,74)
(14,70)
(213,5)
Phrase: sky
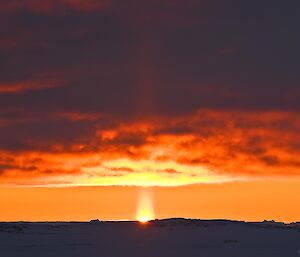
(195,102)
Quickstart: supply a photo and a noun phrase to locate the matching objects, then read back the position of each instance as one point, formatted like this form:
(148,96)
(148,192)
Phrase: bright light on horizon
(145,211)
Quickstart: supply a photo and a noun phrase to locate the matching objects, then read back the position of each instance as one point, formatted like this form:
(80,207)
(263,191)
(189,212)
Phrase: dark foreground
(166,238)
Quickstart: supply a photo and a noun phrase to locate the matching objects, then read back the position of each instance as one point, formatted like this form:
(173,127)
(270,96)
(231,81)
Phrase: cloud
(49,6)
(207,147)
(143,12)
(148,92)
(125,67)
(22,86)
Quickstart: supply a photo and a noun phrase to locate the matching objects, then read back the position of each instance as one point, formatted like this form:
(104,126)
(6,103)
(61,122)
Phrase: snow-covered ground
(166,238)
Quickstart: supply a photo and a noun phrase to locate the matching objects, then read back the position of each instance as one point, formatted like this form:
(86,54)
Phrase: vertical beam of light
(145,210)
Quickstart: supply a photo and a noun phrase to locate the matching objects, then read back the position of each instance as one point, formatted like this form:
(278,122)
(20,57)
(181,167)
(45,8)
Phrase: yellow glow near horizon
(147,173)
(145,211)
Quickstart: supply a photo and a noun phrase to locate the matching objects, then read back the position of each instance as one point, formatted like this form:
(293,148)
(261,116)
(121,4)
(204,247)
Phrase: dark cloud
(52,6)
(73,73)
(111,63)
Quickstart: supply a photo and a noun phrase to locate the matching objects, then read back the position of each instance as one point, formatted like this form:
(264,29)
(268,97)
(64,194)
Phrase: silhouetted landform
(158,238)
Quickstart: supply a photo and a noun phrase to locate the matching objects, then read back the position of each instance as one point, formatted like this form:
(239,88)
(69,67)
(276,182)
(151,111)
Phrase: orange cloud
(206,147)
(18,87)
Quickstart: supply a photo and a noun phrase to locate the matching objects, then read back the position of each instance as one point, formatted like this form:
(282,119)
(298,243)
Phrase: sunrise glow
(145,210)
(140,110)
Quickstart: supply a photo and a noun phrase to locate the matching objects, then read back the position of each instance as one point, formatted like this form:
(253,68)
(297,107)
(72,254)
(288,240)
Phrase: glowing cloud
(206,147)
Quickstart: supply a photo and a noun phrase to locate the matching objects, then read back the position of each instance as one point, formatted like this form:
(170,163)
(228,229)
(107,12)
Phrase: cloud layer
(206,147)
(148,92)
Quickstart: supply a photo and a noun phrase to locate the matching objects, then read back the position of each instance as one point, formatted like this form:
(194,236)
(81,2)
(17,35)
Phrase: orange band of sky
(252,201)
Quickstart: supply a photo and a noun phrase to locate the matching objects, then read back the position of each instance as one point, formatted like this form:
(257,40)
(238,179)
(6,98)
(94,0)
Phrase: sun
(143,219)
(145,211)
(145,216)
